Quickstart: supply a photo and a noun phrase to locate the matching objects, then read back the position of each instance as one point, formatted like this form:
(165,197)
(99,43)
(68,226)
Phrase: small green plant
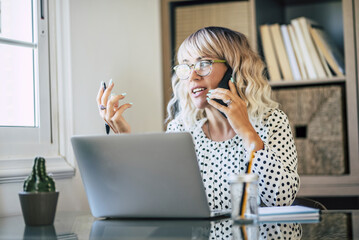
(38,180)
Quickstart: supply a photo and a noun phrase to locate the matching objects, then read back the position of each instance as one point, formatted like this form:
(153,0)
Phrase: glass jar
(244,198)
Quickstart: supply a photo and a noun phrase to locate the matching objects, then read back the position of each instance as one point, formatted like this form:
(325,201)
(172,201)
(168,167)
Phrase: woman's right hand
(111,111)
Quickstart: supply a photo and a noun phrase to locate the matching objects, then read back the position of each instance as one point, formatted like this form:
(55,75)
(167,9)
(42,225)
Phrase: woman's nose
(193,75)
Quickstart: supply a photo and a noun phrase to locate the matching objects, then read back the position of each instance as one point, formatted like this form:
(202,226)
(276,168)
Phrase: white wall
(118,39)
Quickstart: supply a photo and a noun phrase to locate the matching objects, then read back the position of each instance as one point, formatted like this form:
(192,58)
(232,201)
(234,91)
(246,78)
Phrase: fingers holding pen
(115,110)
(119,121)
(103,93)
(106,93)
(99,94)
(113,103)
(122,108)
(110,108)
(99,97)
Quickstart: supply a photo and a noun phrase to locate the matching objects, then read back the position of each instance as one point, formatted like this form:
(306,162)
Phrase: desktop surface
(334,224)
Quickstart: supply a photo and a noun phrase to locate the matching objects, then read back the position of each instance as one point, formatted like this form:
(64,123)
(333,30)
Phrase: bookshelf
(338,18)
(327,14)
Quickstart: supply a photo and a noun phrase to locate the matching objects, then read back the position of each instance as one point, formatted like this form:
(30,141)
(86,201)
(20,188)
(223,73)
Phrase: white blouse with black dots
(276,164)
(225,229)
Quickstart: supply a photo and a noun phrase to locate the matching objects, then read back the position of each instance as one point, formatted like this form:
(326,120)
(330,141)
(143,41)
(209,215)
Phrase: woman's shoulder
(175,125)
(273,120)
(273,115)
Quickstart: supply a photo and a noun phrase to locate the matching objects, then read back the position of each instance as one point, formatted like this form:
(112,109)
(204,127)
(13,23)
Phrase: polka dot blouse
(276,164)
(225,229)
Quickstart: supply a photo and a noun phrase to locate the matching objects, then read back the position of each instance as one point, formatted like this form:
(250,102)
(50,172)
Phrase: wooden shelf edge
(294,83)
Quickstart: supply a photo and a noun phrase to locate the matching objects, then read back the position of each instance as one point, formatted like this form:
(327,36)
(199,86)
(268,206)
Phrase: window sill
(16,170)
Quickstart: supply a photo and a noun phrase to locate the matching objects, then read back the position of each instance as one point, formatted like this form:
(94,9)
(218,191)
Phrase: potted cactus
(39,198)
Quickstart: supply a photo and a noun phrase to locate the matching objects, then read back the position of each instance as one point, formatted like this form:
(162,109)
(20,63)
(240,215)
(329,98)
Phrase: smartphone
(224,84)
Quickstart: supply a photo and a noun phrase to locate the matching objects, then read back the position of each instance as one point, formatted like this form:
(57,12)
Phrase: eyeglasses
(202,68)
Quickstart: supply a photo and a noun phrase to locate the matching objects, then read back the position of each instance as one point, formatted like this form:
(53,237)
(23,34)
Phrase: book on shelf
(324,63)
(298,52)
(304,50)
(328,49)
(281,52)
(305,24)
(326,67)
(291,56)
(269,53)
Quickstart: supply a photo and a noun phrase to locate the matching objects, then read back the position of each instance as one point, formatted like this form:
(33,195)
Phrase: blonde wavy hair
(248,70)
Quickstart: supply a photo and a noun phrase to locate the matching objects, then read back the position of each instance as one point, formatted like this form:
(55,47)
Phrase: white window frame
(19,146)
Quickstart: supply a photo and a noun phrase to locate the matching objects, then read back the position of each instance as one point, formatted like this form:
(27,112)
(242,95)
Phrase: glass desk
(82,225)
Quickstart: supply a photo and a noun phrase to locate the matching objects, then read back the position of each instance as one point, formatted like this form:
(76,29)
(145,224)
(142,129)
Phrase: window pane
(16,19)
(17,86)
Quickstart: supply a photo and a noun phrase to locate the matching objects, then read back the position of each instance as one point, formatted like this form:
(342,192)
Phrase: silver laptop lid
(141,175)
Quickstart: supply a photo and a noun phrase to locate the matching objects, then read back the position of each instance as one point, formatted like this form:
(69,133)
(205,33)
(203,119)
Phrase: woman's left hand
(236,112)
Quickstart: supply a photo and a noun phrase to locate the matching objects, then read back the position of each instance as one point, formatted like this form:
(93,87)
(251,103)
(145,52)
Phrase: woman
(224,135)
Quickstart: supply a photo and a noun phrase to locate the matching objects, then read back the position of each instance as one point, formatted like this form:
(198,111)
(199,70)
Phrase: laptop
(151,175)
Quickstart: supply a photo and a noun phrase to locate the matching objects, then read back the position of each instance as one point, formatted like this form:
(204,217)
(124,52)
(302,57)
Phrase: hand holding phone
(224,84)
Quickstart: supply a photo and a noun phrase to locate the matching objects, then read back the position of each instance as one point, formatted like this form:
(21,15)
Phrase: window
(28,127)
(18,61)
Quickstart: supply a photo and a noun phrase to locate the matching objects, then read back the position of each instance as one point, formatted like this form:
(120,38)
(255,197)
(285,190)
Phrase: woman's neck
(217,128)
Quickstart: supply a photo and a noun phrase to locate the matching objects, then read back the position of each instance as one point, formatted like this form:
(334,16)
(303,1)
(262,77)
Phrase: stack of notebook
(288,213)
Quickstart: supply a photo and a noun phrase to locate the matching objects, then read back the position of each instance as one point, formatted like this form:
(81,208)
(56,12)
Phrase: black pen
(106,125)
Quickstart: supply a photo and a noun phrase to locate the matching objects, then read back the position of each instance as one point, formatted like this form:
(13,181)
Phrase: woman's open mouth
(198,91)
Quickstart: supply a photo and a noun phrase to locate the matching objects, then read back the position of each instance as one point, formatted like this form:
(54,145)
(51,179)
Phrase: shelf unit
(315,82)
(337,18)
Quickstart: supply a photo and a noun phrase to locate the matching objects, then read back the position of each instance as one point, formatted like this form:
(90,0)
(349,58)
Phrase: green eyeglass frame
(203,68)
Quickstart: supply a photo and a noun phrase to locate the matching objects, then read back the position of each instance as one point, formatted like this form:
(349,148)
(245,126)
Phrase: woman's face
(197,86)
